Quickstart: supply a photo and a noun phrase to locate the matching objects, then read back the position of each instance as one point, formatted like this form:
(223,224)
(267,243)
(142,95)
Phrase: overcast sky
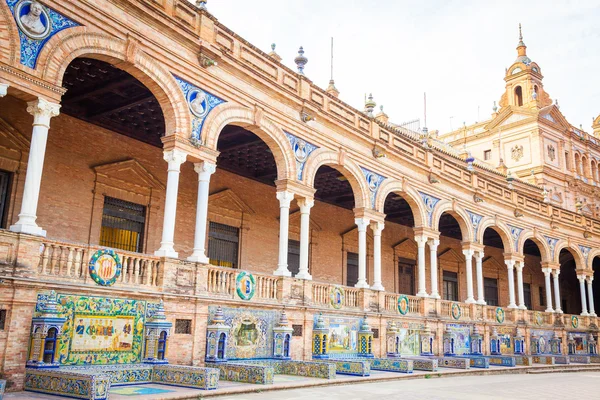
(456,51)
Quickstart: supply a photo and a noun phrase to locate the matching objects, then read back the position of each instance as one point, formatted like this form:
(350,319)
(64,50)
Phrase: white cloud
(454,50)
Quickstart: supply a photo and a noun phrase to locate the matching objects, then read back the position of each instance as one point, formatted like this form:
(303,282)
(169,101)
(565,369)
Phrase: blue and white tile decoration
(552,245)
(52,20)
(430,203)
(373,182)
(475,220)
(586,253)
(515,234)
(200,104)
(302,150)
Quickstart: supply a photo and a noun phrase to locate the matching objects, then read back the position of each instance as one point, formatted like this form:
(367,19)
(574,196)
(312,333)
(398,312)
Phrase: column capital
(300,189)
(513,256)
(425,231)
(556,273)
(433,243)
(204,170)
(519,265)
(581,278)
(550,265)
(546,271)
(590,279)
(362,223)
(285,198)
(3,89)
(175,158)
(468,252)
(305,204)
(472,246)
(510,263)
(42,111)
(371,215)
(479,254)
(421,240)
(377,227)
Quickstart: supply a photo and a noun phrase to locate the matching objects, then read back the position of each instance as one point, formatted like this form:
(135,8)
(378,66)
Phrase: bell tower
(524,87)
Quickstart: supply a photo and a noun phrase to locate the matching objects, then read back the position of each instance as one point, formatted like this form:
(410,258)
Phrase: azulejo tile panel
(462,344)
(504,361)
(195,377)
(477,361)
(35,32)
(561,360)
(258,374)
(579,359)
(392,365)
(126,374)
(524,360)
(547,360)
(424,364)
(352,367)
(312,369)
(79,385)
(454,362)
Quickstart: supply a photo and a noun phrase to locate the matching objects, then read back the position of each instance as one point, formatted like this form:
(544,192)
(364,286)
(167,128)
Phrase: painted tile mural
(506,334)
(580,342)
(251,334)
(343,333)
(463,338)
(100,330)
(409,338)
(545,337)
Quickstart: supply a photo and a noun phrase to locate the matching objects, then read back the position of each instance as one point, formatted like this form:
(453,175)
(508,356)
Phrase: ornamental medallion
(456,311)
(198,103)
(517,153)
(245,285)
(403,304)
(337,297)
(574,321)
(33,19)
(105,267)
(500,315)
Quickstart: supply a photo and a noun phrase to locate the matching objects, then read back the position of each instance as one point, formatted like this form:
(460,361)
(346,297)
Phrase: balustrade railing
(351,298)
(69,260)
(221,280)
(415,304)
(320,294)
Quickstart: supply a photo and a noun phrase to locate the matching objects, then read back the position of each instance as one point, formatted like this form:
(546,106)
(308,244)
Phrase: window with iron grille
(527,293)
(351,269)
(2,319)
(296,330)
(487,155)
(183,326)
(123,225)
(406,277)
(375,333)
(450,286)
(490,291)
(294,256)
(223,242)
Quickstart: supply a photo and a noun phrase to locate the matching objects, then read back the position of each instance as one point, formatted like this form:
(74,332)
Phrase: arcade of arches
(109,164)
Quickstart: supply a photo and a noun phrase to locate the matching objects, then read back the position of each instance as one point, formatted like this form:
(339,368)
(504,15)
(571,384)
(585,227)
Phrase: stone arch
(501,229)
(127,55)
(542,245)
(349,168)
(234,114)
(593,254)
(409,194)
(9,36)
(459,214)
(574,250)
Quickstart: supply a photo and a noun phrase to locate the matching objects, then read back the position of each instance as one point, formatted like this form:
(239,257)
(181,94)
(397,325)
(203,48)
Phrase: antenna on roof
(331,59)
(331,89)
(425,111)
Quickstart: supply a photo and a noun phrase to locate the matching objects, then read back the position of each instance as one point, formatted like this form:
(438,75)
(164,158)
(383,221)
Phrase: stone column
(584,311)
(305,205)
(205,170)
(510,265)
(42,111)
(433,246)
(555,273)
(479,270)
(3,89)
(362,224)
(547,272)
(469,268)
(285,198)
(377,227)
(590,279)
(520,289)
(175,158)
(421,241)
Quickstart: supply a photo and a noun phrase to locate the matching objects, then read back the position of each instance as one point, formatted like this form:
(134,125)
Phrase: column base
(282,272)
(593,314)
(558,311)
(168,253)
(512,306)
(549,310)
(522,307)
(584,314)
(482,302)
(28,229)
(303,275)
(422,294)
(377,286)
(470,301)
(361,285)
(199,258)
(435,296)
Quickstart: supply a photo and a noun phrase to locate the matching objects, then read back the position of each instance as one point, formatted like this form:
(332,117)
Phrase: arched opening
(586,167)
(578,168)
(286,346)
(596,282)
(533,278)
(569,285)
(399,222)
(324,345)
(162,346)
(221,346)
(519,96)
(593,170)
(335,200)
(244,181)
(495,276)
(451,269)
(50,346)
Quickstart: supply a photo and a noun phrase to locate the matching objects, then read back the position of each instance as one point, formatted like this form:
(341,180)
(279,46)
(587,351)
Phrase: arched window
(50,346)
(221,346)
(286,346)
(578,164)
(324,346)
(162,345)
(519,96)
(586,166)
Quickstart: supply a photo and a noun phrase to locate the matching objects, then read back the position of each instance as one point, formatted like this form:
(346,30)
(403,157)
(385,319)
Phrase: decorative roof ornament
(495,108)
(469,161)
(522,50)
(556,103)
(392,328)
(218,318)
(331,89)
(201,4)
(283,320)
(159,314)
(545,195)
(370,105)
(301,61)
(364,327)
(521,36)
(320,322)
(510,179)
(273,53)
(50,307)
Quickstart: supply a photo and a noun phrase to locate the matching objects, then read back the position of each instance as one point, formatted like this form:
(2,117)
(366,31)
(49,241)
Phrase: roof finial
(370,105)
(273,53)
(201,4)
(300,61)
(331,89)
(521,43)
